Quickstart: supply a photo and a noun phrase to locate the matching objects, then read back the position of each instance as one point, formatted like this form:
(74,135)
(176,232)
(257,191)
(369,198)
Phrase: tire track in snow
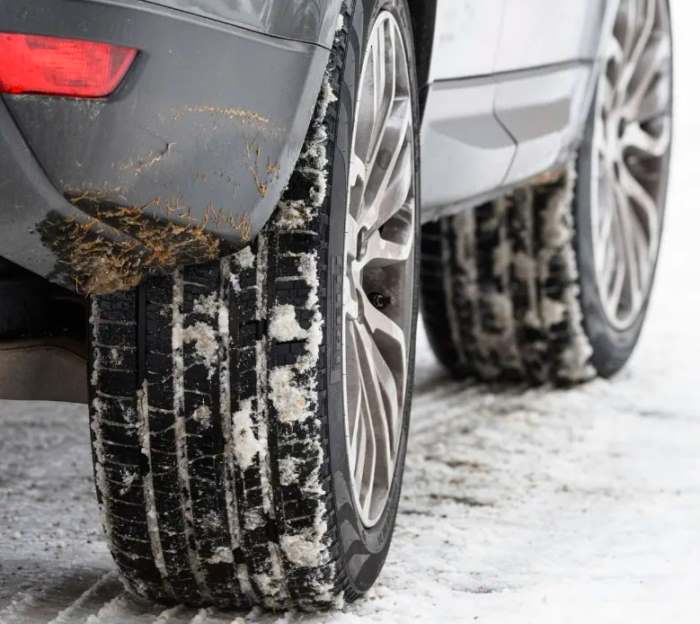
(66,602)
(96,594)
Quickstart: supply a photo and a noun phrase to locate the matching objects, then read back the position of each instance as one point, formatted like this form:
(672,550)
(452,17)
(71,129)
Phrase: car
(234,211)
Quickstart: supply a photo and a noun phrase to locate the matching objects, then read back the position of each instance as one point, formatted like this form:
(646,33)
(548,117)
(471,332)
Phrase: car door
(465,150)
(546,58)
(467,35)
(538,33)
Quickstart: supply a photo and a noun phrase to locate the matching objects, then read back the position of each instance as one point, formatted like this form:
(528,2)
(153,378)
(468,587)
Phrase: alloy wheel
(631,146)
(378,295)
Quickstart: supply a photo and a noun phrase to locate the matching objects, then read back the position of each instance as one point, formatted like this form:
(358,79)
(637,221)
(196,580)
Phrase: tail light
(57,66)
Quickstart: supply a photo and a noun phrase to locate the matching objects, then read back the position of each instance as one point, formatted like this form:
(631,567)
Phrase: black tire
(500,289)
(218,436)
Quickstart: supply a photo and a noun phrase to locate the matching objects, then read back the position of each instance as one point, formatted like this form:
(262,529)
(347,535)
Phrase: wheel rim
(379,268)
(631,145)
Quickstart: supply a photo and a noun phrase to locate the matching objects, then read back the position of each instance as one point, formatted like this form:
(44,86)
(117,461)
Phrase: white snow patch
(116,356)
(553,312)
(203,416)
(113,610)
(201,617)
(308,269)
(284,326)
(245,258)
(208,305)
(223,554)
(288,469)
(128,478)
(246,446)
(163,617)
(303,550)
(253,520)
(290,401)
(235,282)
(205,343)
(292,215)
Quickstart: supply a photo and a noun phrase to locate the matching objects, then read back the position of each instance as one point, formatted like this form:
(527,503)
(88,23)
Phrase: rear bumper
(203,132)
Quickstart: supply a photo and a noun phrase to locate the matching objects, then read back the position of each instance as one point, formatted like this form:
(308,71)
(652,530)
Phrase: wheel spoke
(384,86)
(653,63)
(380,396)
(368,476)
(606,248)
(645,28)
(626,26)
(398,187)
(358,171)
(635,136)
(631,259)
(353,380)
(382,252)
(392,342)
(644,203)
(382,391)
(383,165)
(361,448)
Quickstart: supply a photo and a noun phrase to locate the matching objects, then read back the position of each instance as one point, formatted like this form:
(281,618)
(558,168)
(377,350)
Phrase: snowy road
(519,506)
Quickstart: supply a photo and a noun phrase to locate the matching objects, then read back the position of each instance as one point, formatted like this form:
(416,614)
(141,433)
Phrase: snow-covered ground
(519,506)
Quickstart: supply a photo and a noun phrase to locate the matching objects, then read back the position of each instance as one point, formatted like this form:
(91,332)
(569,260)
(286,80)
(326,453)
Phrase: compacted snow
(519,505)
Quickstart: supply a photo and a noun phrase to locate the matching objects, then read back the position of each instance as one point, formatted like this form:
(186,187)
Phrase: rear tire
(217,412)
(500,289)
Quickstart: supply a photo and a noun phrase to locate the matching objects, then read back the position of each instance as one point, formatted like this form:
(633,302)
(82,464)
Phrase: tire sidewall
(363,550)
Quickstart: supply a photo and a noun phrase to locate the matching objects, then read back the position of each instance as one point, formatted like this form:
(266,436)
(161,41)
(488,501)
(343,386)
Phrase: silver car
(247,201)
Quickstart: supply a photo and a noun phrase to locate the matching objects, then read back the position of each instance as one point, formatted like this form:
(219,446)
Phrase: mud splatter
(235,114)
(116,246)
(263,175)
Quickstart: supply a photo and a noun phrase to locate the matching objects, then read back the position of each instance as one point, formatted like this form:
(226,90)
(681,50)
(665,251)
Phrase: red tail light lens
(56,66)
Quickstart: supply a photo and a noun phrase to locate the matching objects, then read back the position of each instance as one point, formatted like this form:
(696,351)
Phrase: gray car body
(211,117)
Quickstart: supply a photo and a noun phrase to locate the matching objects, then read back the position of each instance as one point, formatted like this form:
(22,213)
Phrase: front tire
(220,409)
